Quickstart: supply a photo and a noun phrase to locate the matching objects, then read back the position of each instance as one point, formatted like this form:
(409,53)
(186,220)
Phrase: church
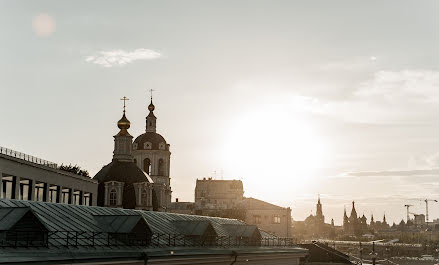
(138,175)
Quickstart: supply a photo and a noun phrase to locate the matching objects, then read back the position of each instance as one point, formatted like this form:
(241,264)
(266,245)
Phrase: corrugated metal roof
(192,227)
(10,216)
(118,223)
(79,218)
(241,230)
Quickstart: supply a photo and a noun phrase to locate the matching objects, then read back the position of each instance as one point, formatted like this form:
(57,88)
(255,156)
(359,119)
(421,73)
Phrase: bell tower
(152,155)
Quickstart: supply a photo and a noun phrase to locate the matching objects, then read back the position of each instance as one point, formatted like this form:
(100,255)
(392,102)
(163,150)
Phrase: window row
(42,192)
(275,219)
(148,146)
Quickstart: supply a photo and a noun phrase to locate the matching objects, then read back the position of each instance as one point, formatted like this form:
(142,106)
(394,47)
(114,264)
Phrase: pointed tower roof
(353,212)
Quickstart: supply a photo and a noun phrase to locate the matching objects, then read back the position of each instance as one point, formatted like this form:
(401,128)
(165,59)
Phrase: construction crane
(426,207)
(408,212)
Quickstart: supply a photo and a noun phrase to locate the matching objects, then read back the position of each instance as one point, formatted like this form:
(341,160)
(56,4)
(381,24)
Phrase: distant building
(268,217)
(225,198)
(218,194)
(24,177)
(419,219)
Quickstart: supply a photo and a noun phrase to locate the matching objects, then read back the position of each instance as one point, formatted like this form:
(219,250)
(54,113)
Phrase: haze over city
(295,98)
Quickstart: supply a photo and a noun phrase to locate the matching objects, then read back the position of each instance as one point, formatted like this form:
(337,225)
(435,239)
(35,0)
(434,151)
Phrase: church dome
(151,107)
(156,141)
(124,123)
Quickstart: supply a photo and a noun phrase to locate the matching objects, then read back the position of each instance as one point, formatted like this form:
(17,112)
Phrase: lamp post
(373,254)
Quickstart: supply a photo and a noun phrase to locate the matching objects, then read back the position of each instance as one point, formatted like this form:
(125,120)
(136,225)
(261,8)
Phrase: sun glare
(276,144)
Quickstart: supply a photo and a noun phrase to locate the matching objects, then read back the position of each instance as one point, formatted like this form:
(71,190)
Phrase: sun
(274,146)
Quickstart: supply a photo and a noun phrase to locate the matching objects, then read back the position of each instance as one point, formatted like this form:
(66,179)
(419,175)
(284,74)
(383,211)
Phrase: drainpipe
(236,257)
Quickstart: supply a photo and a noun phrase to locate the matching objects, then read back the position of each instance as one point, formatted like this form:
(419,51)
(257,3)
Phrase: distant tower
(384,220)
(319,212)
(345,221)
(151,154)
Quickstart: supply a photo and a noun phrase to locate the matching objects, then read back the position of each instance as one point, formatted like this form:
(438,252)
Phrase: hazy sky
(295,98)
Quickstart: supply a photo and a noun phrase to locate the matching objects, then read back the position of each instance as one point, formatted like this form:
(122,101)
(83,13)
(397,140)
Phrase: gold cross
(124,102)
(150,91)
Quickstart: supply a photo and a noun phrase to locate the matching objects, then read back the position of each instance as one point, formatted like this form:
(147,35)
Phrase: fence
(28,158)
(25,239)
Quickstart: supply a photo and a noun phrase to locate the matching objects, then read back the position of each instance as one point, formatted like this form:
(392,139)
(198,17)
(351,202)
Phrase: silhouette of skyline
(294,98)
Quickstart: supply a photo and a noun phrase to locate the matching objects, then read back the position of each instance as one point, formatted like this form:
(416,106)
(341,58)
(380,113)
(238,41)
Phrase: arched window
(113,197)
(147,165)
(161,167)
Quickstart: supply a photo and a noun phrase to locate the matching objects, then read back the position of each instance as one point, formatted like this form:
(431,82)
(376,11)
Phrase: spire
(123,140)
(151,119)
(353,212)
(384,219)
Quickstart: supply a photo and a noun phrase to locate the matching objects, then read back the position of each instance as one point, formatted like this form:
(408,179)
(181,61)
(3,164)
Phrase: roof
(252,203)
(193,227)
(118,223)
(84,237)
(154,138)
(242,230)
(126,172)
(80,218)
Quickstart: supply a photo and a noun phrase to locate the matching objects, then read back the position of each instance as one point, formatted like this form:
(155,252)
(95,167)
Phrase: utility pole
(374,255)
(408,212)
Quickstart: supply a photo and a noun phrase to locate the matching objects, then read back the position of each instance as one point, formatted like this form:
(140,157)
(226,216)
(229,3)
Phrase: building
(218,194)
(26,177)
(225,198)
(47,233)
(357,226)
(122,183)
(268,217)
(152,155)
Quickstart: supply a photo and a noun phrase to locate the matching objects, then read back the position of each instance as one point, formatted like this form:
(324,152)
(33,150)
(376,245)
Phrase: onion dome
(151,107)
(124,123)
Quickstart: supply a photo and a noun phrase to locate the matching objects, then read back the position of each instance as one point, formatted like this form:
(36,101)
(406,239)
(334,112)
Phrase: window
(135,146)
(53,193)
(147,145)
(77,197)
(276,219)
(147,166)
(39,191)
(25,189)
(257,219)
(113,198)
(162,146)
(65,195)
(7,183)
(87,198)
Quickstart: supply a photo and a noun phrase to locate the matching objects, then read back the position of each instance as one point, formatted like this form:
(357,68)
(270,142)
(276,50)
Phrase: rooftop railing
(28,158)
(157,240)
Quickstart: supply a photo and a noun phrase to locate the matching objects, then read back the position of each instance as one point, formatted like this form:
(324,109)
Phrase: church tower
(152,155)
(319,212)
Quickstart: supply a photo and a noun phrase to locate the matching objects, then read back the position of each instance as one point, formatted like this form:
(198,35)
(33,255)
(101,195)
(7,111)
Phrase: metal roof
(80,218)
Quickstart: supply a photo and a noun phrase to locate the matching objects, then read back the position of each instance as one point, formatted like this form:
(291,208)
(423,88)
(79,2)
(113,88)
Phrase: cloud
(389,97)
(354,64)
(121,57)
(390,173)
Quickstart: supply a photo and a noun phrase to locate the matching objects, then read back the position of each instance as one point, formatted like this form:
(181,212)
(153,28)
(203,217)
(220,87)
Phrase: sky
(295,98)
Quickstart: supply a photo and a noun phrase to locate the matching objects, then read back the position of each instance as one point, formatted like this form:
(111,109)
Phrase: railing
(25,239)
(28,158)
